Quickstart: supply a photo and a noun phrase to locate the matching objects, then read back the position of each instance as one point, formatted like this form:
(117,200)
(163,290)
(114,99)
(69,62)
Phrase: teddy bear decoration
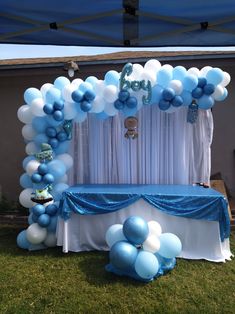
(131,124)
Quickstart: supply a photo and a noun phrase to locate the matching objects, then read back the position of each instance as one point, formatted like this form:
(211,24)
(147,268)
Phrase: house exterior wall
(13,83)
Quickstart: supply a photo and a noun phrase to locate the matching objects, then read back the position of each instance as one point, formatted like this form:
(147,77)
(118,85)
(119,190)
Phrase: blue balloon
(51,210)
(53,223)
(53,142)
(168,94)
(43,168)
(170,245)
(225,94)
(39,124)
(27,160)
(156,94)
(202,82)
(102,115)
(197,92)
(22,240)
(40,138)
(48,178)
(164,76)
(52,95)
(164,104)
(83,87)
(44,220)
(177,101)
(86,106)
(123,255)
(30,219)
(62,136)
(58,189)
(25,181)
(190,82)
(128,112)
(187,98)
(38,209)
(135,229)
(34,217)
(31,93)
(179,72)
(52,122)
(92,80)
(118,104)
(36,178)
(56,168)
(48,108)
(215,76)
(146,265)
(58,115)
(131,102)
(205,102)
(123,95)
(51,131)
(62,148)
(77,95)
(60,82)
(58,104)
(209,89)
(89,95)
(112,78)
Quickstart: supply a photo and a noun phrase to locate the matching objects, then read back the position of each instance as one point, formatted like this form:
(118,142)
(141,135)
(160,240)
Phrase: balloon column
(140,250)
(49,113)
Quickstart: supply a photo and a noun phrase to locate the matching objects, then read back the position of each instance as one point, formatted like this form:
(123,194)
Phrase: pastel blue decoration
(48,108)
(146,265)
(40,138)
(58,189)
(135,229)
(44,220)
(36,178)
(215,76)
(102,115)
(92,80)
(168,94)
(52,95)
(51,131)
(112,78)
(60,82)
(123,255)
(27,160)
(187,98)
(42,168)
(22,240)
(48,178)
(56,168)
(156,94)
(84,86)
(38,209)
(131,102)
(30,219)
(114,234)
(190,82)
(25,181)
(51,210)
(128,112)
(34,218)
(58,115)
(225,94)
(58,104)
(164,76)
(52,122)
(179,72)
(62,148)
(177,101)
(39,124)
(31,93)
(164,104)
(170,245)
(53,224)
(197,92)
(209,89)
(205,102)
(77,95)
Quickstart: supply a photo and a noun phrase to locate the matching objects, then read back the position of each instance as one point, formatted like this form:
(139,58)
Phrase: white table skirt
(200,238)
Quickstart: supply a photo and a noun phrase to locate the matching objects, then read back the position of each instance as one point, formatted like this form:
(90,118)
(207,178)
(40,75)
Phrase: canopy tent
(133,23)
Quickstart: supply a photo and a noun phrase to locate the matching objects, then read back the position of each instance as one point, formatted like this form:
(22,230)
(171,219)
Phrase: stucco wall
(14,82)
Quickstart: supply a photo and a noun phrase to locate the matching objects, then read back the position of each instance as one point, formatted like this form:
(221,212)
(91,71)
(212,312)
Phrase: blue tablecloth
(179,200)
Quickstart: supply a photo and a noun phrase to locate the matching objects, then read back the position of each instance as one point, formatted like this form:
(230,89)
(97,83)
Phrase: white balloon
(25,198)
(28,132)
(205,70)
(218,93)
(154,228)
(50,240)
(168,67)
(110,93)
(70,110)
(36,234)
(177,86)
(98,104)
(152,65)
(24,114)
(137,70)
(194,71)
(149,76)
(67,92)
(77,82)
(37,107)
(110,110)
(151,244)
(226,80)
(32,166)
(99,87)
(45,88)
(66,159)
(31,148)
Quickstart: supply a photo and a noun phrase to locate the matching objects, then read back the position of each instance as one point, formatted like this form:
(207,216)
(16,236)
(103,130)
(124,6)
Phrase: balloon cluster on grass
(140,250)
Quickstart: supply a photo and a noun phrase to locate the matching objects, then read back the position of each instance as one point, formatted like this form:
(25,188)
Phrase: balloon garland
(49,114)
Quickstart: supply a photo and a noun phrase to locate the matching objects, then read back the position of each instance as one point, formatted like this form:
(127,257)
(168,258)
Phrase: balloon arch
(50,112)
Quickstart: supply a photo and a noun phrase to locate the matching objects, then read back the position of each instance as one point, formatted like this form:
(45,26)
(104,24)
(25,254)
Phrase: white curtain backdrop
(168,150)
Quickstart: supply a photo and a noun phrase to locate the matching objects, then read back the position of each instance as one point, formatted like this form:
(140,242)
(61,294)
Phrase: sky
(10,51)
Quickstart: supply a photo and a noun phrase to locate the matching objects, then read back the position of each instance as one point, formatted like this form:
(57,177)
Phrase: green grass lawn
(49,281)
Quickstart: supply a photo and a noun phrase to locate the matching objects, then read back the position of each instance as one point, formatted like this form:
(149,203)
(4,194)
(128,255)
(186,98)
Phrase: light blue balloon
(83,87)
(128,112)
(56,168)
(170,245)
(112,78)
(164,76)
(102,115)
(187,98)
(156,94)
(146,265)
(31,93)
(179,72)
(30,219)
(27,160)
(22,241)
(53,224)
(52,122)
(190,82)
(114,234)
(205,102)
(25,181)
(215,76)
(62,148)
(58,189)
(39,124)
(135,229)
(92,80)
(52,95)
(123,255)
(60,82)
(225,94)
(40,138)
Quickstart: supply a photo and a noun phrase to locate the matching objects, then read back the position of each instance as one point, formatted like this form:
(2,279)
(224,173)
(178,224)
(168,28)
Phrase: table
(197,215)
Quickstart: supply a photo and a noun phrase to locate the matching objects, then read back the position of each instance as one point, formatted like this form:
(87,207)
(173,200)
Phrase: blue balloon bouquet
(139,249)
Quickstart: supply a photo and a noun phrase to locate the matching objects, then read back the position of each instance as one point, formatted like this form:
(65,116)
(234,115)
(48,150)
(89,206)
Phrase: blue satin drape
(178,200)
